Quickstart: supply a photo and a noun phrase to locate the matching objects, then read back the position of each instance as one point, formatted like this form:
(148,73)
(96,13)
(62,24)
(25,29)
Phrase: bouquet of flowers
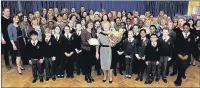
(114,37)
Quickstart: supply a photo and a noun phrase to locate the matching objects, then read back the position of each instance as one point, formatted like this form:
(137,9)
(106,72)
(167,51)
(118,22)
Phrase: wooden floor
(12,79)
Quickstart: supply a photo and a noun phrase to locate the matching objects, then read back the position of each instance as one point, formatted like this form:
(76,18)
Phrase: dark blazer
(141,46)
(68,44)
(34,52)
(185,46)
(49,47)
(152,53)
(129,47)
(77,40)
(166,47)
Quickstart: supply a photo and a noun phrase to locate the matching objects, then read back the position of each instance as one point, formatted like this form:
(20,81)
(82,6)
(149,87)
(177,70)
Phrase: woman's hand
(14,47)
(97,56)
(30,62)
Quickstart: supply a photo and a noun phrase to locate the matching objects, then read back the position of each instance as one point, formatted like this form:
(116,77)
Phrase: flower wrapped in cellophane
(114,37)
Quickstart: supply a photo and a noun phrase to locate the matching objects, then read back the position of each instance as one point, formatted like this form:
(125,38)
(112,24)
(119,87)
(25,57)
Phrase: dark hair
(196,22)
(72,16)
(130,13)
(30,13)
(166,28)
(116,19)
(86,25)
(191,20)
(142,30)
(154,35)
(6,8)
(107,17)
(131,31)
(33,33)
(19,12)
(50,21)
(186,24)
(60,15)
(153,26)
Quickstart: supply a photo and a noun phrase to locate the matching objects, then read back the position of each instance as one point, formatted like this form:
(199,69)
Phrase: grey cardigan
(12,32)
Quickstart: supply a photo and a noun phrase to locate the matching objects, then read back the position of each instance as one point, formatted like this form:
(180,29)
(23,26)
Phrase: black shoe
(184,77)
(176,83)
(72,76)
(137,78)
(88,79)
(47,79)
(164,80)
(67,76)
(110,82)
(34,80)
(157,79)
(141,79)
(98,72)
(41,80)
(173,73)
(103,80)
(91,78)
(78,72)
(53,78)
(146,82)
(121,73)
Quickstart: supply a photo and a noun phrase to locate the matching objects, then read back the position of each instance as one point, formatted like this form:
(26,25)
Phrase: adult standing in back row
(6,45)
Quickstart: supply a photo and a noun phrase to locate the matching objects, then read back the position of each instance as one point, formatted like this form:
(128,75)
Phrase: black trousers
(78,63)
(69,64)
(174,61)
(129,65)
(7,50)
(37,69)
(121,61)
(87,64)
(182,66)
(60,64)
(151,71)
(97,64)
(140,67)
(49,67)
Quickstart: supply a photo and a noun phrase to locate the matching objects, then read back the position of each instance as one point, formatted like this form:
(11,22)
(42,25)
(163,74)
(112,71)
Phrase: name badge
(169,43)
(38,47)
(157,50)
(49,43)
(189,40)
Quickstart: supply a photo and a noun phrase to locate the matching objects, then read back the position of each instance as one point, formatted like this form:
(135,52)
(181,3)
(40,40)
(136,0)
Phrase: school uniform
(77,42)
(48,53)
(152,53)
(175,48)
(59,56)
(185,47)
(166,45)
(34,52)
(140,51)
(68,47)
(129,50)
(118,58)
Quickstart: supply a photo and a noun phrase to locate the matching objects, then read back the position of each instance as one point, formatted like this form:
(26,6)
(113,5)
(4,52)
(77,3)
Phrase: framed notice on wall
(196,10)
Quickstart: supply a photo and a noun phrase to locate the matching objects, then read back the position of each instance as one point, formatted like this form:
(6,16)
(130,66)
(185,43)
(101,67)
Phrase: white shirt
(36,41)
(57,37)
(6,17)
(154,44)
(143,39)
(184,34)
(78,32)
(68,35)
(131,39)
(165,38)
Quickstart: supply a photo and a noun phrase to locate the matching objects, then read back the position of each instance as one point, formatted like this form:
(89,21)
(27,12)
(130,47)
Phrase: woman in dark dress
(17,41)
(87,49)
(196,31)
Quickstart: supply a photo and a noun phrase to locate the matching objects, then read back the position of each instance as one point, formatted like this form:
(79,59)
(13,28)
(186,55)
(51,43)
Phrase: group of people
(57,42)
